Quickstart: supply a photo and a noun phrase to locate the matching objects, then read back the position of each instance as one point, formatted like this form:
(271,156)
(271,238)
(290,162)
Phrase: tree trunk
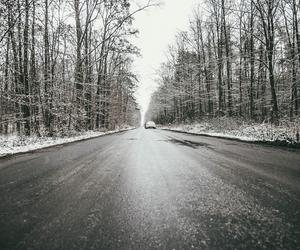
(26,101)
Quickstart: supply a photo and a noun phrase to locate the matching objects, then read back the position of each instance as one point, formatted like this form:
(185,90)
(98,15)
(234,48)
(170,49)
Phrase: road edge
(282,144)
(10,155)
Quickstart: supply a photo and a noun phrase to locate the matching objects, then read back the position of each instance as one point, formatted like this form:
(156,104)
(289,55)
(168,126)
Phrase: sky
(158,27)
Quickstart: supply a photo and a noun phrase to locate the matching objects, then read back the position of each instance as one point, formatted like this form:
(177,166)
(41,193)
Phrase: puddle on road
(191,144)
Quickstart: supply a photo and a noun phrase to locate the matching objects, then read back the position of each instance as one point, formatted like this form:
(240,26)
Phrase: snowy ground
(285,133)
(13,144)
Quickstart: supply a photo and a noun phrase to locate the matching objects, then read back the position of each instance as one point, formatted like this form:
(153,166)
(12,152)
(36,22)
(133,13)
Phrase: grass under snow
(286,133)
(12,144)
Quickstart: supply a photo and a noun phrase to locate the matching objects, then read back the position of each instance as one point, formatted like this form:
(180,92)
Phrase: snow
(12,144)
(246,131)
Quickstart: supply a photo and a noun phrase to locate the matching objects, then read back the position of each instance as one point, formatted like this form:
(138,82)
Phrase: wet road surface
(151,189)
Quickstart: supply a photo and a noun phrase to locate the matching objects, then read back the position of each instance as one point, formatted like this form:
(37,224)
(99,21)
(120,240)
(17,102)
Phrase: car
(150,124)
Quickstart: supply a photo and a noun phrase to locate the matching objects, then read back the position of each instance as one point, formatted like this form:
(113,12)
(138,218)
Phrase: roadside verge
(14,145)
(280,143)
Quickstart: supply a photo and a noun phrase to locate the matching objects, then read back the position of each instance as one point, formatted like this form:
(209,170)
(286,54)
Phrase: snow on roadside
(285,133)
(13,144)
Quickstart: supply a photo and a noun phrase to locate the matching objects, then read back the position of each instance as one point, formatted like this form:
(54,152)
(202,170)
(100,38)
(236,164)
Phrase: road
(151,189)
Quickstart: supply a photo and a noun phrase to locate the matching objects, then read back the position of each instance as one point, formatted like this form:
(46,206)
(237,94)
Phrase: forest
(66,66)
(239,59)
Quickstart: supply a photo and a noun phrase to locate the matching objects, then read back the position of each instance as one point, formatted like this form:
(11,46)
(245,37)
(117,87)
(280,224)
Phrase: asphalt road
(151,189)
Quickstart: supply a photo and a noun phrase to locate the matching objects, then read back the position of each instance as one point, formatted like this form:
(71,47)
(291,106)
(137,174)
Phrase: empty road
(151,189)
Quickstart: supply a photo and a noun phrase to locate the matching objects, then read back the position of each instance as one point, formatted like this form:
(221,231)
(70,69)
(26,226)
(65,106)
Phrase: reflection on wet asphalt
(151,189)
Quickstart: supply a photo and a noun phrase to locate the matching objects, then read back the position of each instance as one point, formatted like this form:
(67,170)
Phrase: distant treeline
(66,66)
(238,59)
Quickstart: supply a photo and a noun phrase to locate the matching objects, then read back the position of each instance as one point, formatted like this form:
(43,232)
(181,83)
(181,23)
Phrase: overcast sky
(158,27)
